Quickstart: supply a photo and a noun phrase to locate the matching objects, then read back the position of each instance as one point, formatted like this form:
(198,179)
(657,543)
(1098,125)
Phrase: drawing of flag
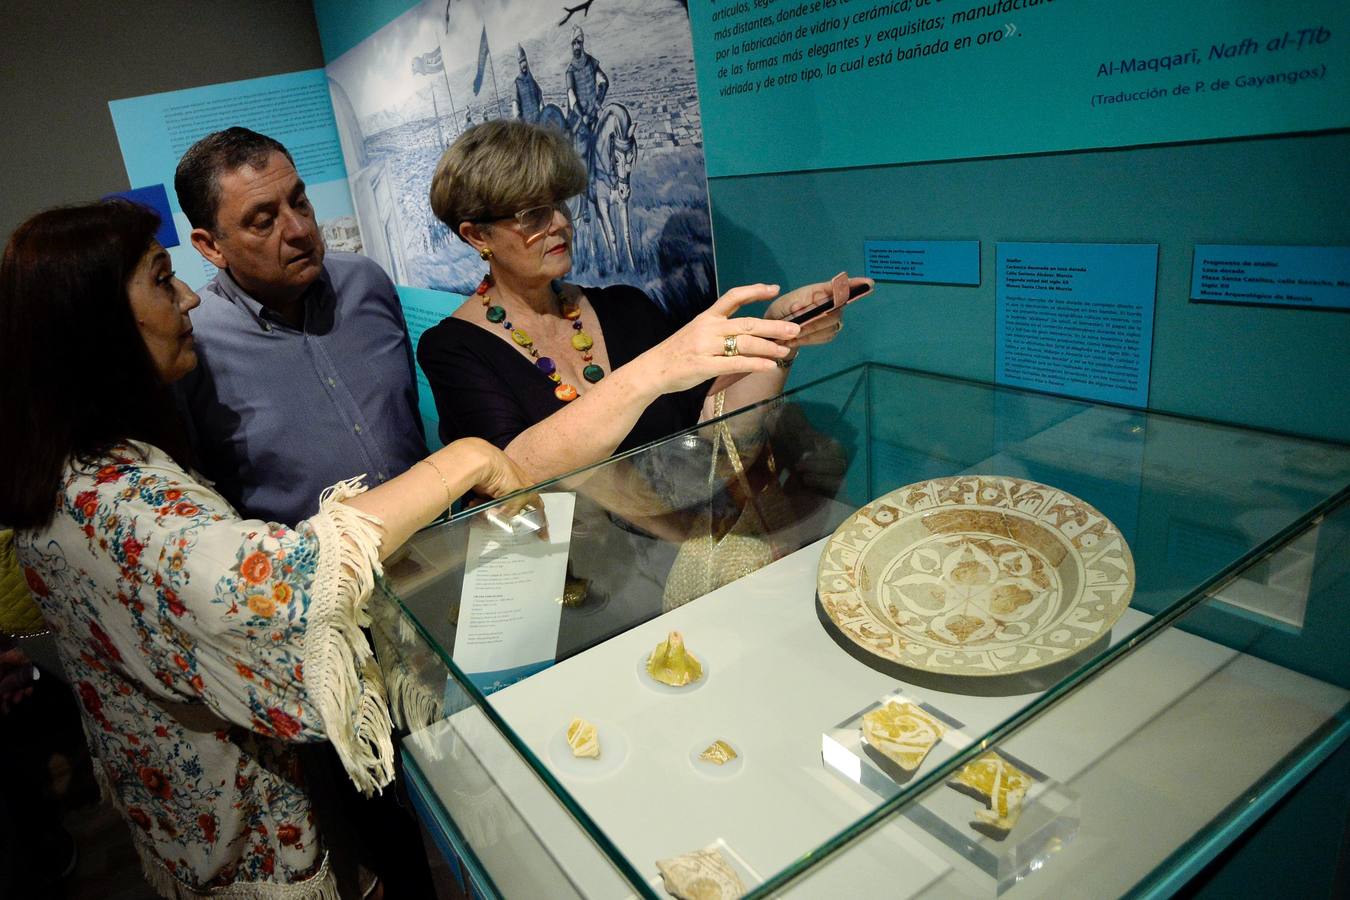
(482,61)
(428,63)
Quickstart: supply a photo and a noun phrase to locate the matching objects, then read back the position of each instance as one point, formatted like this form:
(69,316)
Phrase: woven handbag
(711,557)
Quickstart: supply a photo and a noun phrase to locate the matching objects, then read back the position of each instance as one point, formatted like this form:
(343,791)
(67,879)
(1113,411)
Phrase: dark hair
(75,375)
(197,179)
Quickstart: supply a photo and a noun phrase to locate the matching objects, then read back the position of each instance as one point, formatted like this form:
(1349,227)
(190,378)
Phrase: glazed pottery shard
(582,738)
(1001,786)
(718,753)
(701,875)
(902,732)
(670,663)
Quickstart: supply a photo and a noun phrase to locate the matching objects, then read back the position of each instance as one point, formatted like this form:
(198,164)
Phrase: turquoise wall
(1030,76)
(344,24)
(1281,369)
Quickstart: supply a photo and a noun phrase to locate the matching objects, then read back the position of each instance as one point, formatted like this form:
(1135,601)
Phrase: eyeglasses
(537,220)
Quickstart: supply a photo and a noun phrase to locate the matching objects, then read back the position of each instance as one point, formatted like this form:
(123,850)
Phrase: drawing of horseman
(587,85)
(529,98)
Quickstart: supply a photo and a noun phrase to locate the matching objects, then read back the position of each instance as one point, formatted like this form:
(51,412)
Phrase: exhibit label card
(923,262)
(154,131)
(1305,277)
(1076,319)
(511,602)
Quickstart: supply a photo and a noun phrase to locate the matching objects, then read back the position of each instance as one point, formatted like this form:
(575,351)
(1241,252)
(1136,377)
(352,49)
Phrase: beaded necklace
(581,341)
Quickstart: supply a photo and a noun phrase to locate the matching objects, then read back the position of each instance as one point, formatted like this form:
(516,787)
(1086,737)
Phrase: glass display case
(889,631)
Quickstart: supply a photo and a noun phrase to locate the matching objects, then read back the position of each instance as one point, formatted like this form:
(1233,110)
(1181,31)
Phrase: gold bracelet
(449,498)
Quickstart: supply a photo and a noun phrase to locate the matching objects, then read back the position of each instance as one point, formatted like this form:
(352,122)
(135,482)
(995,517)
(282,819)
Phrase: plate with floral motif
(975,575)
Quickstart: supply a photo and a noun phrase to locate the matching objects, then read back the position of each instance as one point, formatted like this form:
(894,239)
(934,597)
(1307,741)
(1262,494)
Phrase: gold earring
(485,253)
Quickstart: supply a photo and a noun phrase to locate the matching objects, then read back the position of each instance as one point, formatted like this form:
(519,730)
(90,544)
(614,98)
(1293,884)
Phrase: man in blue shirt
(304,378)
(305,373)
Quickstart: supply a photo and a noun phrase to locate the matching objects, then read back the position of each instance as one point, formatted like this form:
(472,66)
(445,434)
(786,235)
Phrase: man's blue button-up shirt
(279,414)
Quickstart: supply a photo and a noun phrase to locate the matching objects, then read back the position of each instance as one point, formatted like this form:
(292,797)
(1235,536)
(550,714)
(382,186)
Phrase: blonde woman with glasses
(560,375)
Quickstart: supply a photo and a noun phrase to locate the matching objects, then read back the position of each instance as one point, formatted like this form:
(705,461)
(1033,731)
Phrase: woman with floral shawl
(201,645)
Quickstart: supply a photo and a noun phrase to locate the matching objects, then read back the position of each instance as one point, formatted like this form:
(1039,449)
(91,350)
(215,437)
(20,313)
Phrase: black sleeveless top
(486,388)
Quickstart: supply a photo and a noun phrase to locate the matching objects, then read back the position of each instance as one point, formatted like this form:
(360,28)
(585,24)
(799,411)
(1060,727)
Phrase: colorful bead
(581,341)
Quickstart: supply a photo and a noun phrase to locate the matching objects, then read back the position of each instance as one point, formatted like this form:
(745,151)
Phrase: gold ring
(838,325)
(729,345)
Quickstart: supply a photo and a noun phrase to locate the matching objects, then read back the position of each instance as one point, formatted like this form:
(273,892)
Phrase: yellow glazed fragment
(583,739)
(902,732)
(719,753)
(993,821)
(1001,785)
(670,663)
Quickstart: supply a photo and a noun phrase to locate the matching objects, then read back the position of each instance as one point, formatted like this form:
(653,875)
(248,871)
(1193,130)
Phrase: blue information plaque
(923,262)
(1299,277)
(1077,319)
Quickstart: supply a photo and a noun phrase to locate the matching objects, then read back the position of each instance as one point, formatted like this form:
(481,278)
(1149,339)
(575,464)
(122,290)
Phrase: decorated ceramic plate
(975,575)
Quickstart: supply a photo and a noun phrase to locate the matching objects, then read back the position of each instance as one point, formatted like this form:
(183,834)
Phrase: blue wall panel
(1271,368)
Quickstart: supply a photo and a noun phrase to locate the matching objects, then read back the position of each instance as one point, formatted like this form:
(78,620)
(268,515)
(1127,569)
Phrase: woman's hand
(590,428)
(415,498)
(499,475)
(698,351)
(823,328)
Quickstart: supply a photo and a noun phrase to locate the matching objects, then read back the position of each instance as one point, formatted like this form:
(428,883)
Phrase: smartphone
(854,292)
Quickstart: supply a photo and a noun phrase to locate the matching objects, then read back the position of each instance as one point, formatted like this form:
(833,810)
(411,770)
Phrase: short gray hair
(501,167)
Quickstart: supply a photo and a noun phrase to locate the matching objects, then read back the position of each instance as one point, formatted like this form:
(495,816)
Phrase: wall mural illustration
(617,77)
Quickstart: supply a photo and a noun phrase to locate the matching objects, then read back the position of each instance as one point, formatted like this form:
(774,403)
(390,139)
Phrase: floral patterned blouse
(200,645)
